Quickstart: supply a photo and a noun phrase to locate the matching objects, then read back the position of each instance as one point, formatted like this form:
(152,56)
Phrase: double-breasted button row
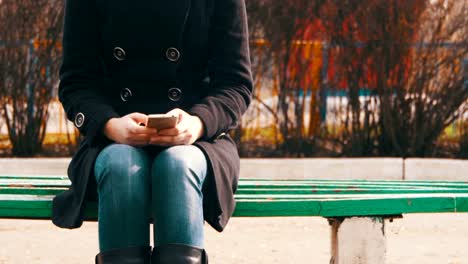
(172,54)
(79,119)
(173,93)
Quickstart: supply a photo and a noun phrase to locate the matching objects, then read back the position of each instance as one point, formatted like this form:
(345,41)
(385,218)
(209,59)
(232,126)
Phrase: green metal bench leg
(358,240)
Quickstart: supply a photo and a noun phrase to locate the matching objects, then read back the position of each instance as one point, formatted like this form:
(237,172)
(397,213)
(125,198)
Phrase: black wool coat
(151,56)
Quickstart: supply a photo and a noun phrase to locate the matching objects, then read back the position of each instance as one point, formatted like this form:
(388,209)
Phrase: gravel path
(417,238)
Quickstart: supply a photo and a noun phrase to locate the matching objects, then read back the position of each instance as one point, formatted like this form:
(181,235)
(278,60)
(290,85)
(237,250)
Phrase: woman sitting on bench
(122,61)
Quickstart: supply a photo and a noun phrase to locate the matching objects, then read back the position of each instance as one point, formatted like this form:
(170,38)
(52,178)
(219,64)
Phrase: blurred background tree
(385,77)
(332,78)
(29,33)
(286,56)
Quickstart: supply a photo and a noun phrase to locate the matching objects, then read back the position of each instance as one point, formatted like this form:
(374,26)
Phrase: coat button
(79,119)
(222,134)
(119,53)
(125,94)
(174,94)
(172,54)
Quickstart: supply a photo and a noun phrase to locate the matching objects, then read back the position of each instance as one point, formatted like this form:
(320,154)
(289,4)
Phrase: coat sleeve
(229,70)
(81,71)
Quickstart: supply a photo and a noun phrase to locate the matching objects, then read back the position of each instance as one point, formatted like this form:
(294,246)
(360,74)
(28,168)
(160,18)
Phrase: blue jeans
(134,186)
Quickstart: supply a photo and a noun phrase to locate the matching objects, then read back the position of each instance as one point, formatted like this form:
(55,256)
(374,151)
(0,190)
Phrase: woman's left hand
(188,129)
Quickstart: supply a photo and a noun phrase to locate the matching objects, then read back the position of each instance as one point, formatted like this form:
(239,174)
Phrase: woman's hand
(126,129)
(189,128)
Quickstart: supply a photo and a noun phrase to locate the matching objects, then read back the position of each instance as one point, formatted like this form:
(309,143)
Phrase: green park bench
(360,205)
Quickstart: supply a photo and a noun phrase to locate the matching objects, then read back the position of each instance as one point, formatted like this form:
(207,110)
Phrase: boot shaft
(128,255)
(178,254)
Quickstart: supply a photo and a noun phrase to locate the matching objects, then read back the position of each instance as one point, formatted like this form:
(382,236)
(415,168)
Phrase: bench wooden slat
(32,191)
(345,191)
(272,184)
(272,197)
(280,182)
(343,208)
(32,183)
(53,186)
(34,206)
(250,191)
(37,177)
(352,184)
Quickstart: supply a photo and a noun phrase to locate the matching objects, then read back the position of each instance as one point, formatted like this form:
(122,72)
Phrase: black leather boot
(128,255)
(178,254)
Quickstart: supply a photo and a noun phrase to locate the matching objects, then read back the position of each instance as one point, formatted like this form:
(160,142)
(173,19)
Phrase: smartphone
(161,121)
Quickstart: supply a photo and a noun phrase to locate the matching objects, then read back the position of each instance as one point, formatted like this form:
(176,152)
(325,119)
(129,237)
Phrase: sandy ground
(417,238)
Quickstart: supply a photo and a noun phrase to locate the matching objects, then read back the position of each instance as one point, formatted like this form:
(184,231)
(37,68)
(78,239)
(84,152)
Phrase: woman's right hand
(126,129)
